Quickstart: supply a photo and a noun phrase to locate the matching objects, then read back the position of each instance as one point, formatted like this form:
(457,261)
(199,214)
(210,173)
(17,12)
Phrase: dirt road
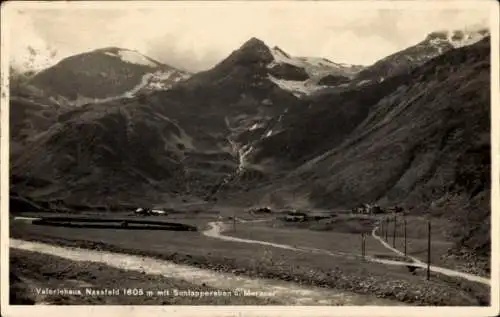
(286,292)
(436,269)
(217,228)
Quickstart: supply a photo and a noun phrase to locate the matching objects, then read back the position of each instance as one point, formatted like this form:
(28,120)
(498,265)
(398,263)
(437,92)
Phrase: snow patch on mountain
(297,88)
(315,67)
(461,38)
(158,80)
(457,38)
(280,56)
(135,58)
(256,126)
(364,82)
(243,154)
(163,80)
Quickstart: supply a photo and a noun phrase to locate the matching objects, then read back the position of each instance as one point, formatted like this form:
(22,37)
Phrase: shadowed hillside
(83,161)
(419,137)
(424,143)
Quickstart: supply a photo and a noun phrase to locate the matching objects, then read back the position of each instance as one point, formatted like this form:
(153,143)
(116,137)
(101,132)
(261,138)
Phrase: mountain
(239,121)
(32,111)
(105,74)
(217,113)
(93,155)
(419,139)
(200,125)
(436,43)
(310,72)
(39,97)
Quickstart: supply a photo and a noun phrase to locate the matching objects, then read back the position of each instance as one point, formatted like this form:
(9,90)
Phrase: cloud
(197,36)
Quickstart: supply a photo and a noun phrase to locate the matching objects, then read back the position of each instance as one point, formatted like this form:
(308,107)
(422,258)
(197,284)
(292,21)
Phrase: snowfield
(458,38)
(159,80)
(315,67)
(465,37)
(135,58)
(298,88)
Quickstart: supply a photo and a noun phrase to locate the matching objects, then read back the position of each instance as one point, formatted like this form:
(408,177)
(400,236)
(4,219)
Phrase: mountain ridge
(105,73)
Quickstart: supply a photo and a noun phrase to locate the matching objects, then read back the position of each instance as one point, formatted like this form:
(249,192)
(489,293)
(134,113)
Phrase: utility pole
(362,234)
(78,155)
(386,228)
(429,249)
(394,234)
(404,220)
(364,245)
(382,232)
(234,221)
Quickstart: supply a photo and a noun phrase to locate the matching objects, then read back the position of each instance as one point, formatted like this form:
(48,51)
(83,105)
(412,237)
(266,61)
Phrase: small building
(295,216)
(259,210)
(368,209)
(149,212)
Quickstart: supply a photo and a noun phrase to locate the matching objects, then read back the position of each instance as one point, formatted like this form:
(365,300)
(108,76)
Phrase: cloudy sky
(195,36)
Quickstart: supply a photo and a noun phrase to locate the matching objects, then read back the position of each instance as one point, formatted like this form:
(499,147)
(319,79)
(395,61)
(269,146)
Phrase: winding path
(433,268)
(287,292)
(217,228)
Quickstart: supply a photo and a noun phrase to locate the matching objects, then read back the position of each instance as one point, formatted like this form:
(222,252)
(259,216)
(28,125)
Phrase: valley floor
(340,272)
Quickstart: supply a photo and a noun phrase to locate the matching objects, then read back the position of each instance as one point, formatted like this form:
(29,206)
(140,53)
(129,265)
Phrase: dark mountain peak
(279,50)
(254,43)
(256,47)
(252,52)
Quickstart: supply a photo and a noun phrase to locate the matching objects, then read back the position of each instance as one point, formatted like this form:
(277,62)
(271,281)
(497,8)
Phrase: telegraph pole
(429,249)
(363,250)
(364,245)
(386,228)
(234,221)
(405,233)
(394,234)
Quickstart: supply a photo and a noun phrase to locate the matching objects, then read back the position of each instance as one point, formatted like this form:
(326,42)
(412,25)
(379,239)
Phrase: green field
(344,272)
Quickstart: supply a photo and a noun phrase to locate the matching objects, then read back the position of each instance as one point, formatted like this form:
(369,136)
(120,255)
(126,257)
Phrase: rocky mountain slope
(310,73)
(421,140)
(32,111)
(396,140)
(435,119)
(442,105)
(213,112)
(39,97)
(404,61)
(435,44)
(95,155)
(105,74)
